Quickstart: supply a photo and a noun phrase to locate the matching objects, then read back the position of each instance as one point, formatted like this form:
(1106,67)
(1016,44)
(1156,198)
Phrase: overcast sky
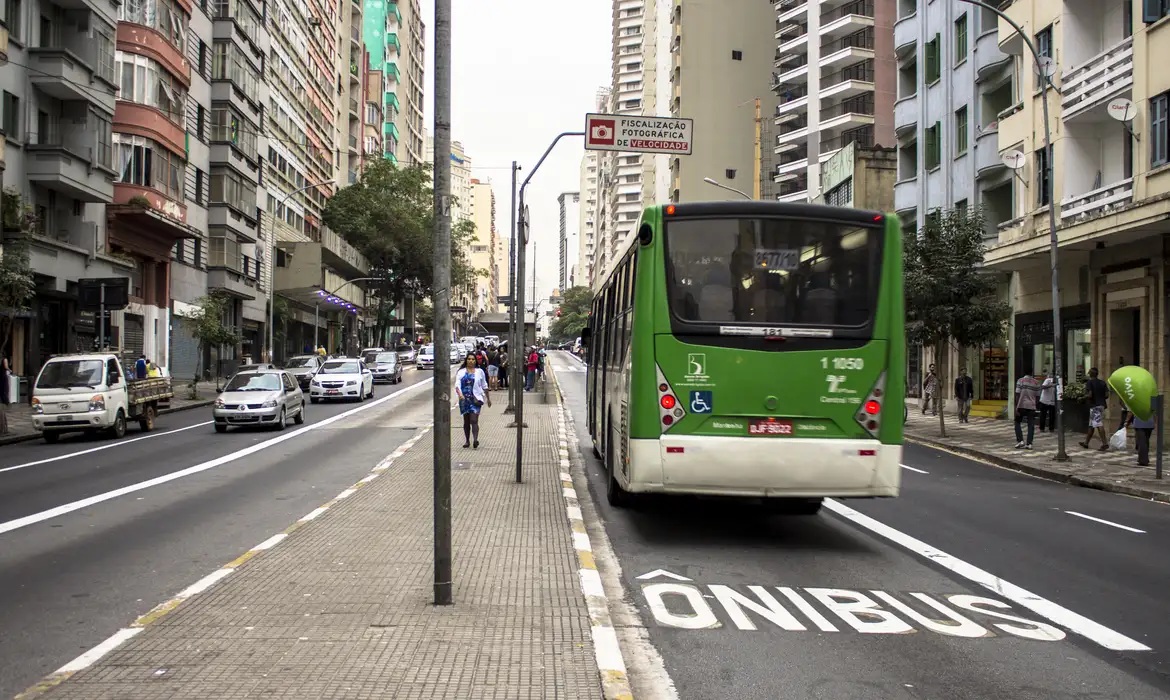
(522,72)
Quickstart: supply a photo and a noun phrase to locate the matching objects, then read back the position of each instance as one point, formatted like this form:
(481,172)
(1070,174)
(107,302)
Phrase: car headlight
(316,383)
(36,406)
(97,402)
(219,403)
(271,403)
(351,382)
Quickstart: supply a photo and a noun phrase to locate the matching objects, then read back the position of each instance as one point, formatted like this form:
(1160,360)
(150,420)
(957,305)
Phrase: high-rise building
(484,246)
(381,32)
(708,62)
(569,204)
(622,172)
(587,224)
(1110,183)
(461,208)
(411,81)
(834,75)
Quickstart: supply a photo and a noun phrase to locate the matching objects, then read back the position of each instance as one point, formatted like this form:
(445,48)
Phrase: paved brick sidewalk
(20,418)
(341,606)
(994,441)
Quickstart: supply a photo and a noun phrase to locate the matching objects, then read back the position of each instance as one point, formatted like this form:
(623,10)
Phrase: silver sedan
(265,397)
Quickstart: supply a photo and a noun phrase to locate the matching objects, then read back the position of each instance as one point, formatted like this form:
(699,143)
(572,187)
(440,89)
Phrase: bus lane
(741,604)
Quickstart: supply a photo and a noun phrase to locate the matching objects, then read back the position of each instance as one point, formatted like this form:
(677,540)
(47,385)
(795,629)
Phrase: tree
(949,298)
(209,330)
(572,314)
(17,285)
(424,317)
(388,215)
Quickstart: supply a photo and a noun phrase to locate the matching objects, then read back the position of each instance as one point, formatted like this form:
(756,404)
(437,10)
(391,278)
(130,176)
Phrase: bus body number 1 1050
(854,363)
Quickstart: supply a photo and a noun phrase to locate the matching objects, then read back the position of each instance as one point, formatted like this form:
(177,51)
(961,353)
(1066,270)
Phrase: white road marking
(662,573)
(1051,611)
(204,583)
(1106,522)
(66,508)
(270,542)
(913,469)
(109,446)
(89,657)
(313,514)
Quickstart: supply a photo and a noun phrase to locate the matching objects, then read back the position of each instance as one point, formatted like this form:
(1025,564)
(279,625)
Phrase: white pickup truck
(93,392)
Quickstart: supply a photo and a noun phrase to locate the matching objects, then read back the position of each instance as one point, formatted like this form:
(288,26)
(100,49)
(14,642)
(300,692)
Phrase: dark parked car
(303,367)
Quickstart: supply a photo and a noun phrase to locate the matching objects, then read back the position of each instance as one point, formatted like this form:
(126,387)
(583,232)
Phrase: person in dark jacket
(964,394)
(5,395)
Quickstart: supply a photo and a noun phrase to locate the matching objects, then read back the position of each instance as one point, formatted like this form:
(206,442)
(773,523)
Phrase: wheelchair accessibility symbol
(701,402)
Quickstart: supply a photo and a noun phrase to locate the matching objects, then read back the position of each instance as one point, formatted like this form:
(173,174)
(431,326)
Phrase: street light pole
(512,337)
(272,262)
(1043,71)
(713,181)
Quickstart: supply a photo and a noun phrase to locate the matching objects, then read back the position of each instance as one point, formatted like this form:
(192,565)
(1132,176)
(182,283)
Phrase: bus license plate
(767,426)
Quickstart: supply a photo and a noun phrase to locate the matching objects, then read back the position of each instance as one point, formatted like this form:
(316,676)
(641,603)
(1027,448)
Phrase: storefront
(1034,349)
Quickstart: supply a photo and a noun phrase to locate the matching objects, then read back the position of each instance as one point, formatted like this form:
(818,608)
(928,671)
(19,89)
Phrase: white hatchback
(342,379)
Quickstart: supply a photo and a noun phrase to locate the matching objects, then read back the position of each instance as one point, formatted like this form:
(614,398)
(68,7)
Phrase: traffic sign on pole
(638,134)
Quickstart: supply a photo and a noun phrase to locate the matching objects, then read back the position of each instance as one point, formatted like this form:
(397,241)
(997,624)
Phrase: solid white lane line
(1106,522)
(211,464)
(913,469)
(1057,614)
(109,446)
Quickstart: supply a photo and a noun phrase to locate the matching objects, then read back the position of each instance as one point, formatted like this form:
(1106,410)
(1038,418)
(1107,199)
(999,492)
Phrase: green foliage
(574,316)
(140,201)
(388,215)
(424,317)
(209,329)
(17,284)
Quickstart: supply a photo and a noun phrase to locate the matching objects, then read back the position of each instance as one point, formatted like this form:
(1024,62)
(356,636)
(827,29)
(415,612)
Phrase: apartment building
(461,211)
(834,75)
(587,222)
(485,245)
(953,81)
(1110,184)
(621,173)
(569,237)
(410,82)
(381,27)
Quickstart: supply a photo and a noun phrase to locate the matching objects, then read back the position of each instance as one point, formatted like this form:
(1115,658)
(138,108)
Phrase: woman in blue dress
(472,385)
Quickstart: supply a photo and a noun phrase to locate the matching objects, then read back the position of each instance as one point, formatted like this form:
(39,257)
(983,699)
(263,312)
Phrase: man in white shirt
(1047,407)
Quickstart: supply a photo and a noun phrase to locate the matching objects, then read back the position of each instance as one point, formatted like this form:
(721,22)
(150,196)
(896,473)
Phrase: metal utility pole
(1044,69)
(442,302)
(522,216)
(512,337)
(757,156)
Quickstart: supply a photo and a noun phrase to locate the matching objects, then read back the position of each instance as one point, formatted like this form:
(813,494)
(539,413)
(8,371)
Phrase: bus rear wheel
(615,495)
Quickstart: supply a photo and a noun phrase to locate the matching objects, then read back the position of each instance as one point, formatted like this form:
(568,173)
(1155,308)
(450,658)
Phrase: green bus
(750,349)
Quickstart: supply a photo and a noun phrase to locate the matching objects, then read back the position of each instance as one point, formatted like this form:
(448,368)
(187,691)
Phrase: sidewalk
(20,416)
(340,604)
(994,441)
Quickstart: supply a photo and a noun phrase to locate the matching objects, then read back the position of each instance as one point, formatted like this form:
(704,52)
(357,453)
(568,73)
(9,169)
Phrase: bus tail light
(670,409)
(870,415)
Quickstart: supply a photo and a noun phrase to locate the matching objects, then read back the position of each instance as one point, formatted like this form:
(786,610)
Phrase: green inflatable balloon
(1137,388)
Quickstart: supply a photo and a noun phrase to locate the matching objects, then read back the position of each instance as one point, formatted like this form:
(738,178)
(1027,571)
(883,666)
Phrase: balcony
(1096,202)
(988,58)
(848,49)
(792,37)
(906,195)
(792,68)
(787,9)
(242,224)
(906,116)
(906,36)
(71,168)
(793,98)
(863,137)
(791,134)
(988,162)
(855,80)
(847,19)
(61,73)
(231,278)
(793,190)
(1094,83)
(849,114)
(341,255)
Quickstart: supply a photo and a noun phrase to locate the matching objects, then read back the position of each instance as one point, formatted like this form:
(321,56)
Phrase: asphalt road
(88,542)
(867,606)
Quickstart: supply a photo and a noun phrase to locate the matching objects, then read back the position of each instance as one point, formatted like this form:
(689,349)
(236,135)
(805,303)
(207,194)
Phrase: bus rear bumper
(764,467)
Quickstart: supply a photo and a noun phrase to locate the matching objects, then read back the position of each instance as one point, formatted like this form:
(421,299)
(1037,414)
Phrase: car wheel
(147,422)
(299,419)
(281,420)
(220,428)
(118,429)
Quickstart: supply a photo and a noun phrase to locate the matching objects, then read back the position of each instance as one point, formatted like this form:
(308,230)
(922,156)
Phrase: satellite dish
(1013,160)
(1121,109)
(1046,67)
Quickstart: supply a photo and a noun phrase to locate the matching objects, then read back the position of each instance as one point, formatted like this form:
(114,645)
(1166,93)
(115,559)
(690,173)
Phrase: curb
(615,684)
(11,439)
(160,611)
(1042,473)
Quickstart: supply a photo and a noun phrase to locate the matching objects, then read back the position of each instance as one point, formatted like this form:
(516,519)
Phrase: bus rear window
(772,272)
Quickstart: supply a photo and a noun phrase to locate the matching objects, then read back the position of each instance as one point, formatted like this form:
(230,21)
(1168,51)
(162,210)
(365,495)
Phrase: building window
(961,131)
(140,161)
(1159,128)
(1152,10)
(147,83)
(230,188)
(12,18)
(961,206)
(229,127)
(164,16)
(737,55)
(933,67)
(933,146)
(841,195)
(1042,177)
(228,63)
(103,48)
(223,250)
(961,39)
(1044,42)
(241,12)
(11,116)
(104,140)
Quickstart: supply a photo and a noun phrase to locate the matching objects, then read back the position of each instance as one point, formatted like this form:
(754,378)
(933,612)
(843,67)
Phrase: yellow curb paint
(158,613)
(585,559)
(239,561)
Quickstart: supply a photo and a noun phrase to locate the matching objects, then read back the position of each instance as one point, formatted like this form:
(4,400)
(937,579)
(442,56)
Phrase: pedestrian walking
(1143,430)
(493,368)
(1098,392)
(5,395)
(503,373)
(473,394)
(929,391)
(1048,403)
(1027,397)
(964,394)
(531,364)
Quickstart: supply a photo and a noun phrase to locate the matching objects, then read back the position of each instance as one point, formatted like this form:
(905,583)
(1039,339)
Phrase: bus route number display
(777,259)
